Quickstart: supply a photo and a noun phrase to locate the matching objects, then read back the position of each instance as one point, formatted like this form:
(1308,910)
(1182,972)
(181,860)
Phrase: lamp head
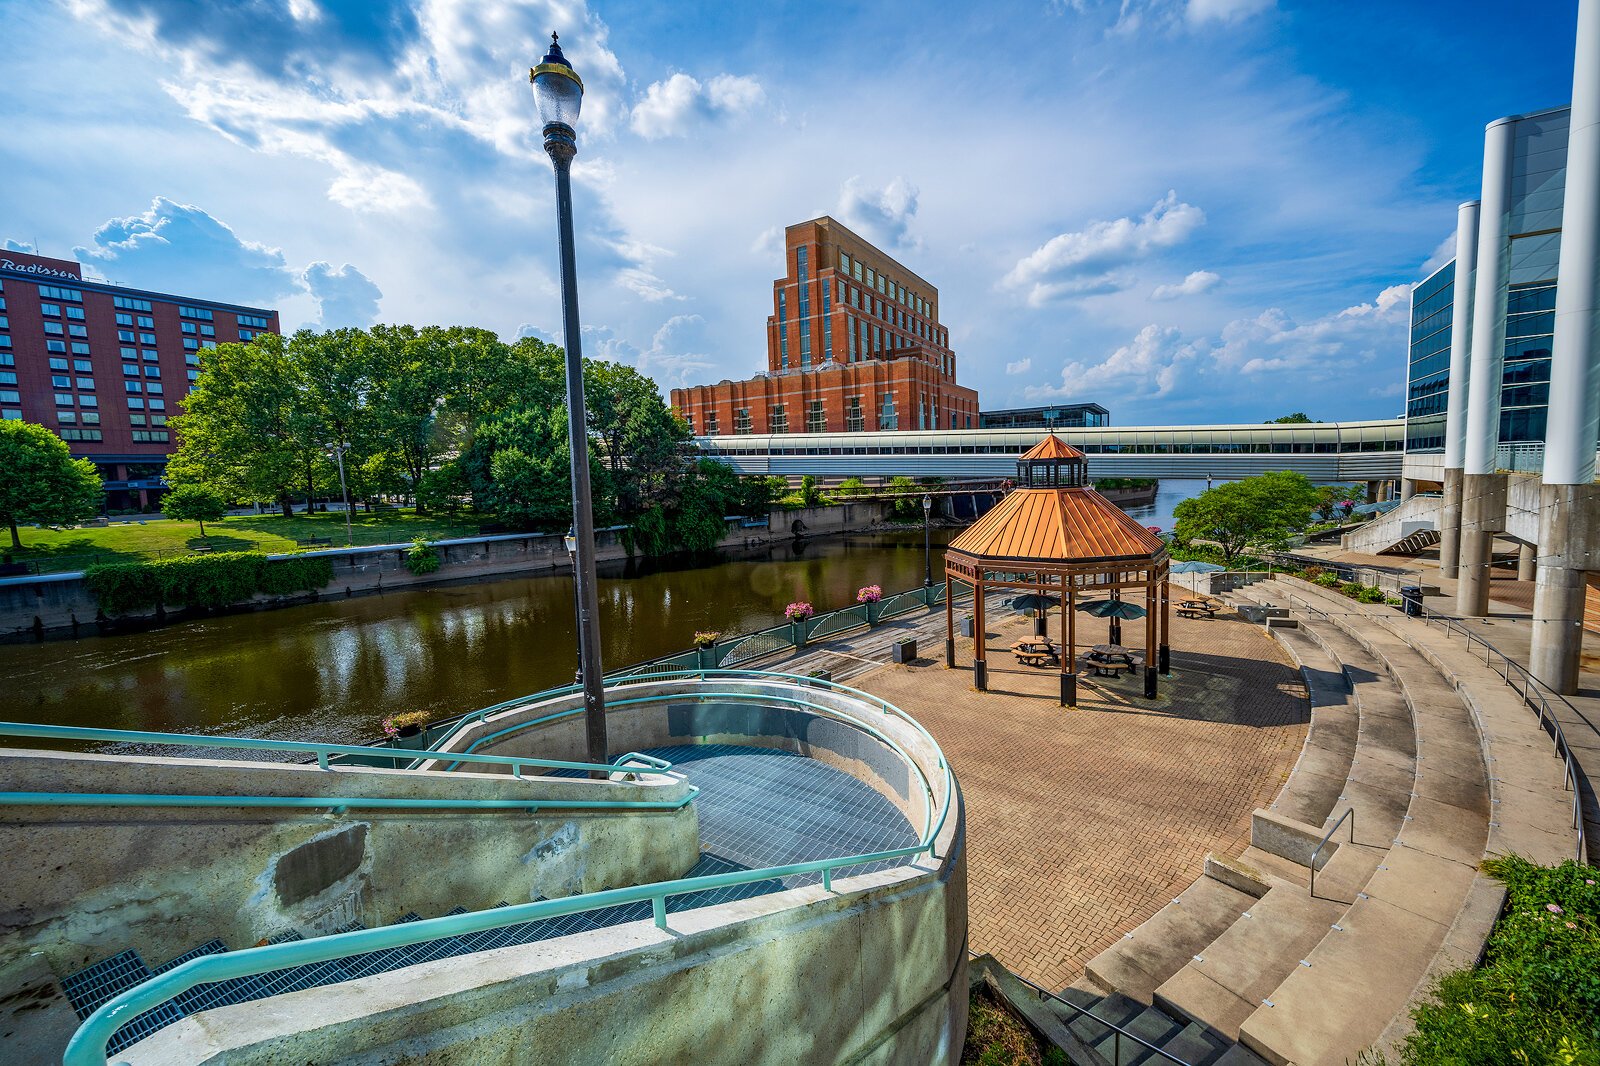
(571,542)
(927,502)
(558,91)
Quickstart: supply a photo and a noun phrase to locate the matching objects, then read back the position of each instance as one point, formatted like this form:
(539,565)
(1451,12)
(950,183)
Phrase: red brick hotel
(854,343)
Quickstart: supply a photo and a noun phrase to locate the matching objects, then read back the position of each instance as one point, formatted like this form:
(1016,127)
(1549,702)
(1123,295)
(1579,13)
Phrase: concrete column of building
(1455,419)
(1569,519)
(1527,561)
(1483,491)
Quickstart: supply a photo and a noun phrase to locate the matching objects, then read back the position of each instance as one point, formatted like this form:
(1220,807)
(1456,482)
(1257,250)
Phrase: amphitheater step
(1318,776)
(1138,963)
(1224,983)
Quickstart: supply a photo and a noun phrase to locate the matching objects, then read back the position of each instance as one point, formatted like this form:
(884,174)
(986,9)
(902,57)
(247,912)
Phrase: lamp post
(927,557)
(338,456)
(558,91)
(571,541)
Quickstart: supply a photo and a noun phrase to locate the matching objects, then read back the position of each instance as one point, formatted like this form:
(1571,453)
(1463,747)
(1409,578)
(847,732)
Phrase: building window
(50,310)
(88,401)
(888,417)
(127,303)
(135,403)
(63,399)
(133,386)
(55,329)
(805,346)
(854,420)
(130,370)
(827,339)
(844,263)
(50,292)
(60,381)
(800,256)
(850,338)
(855,270)
(741,420)
(55,346)
(150,355)
(8,396)
(195,312)
(778,418)
(711,423)
(191,343)
(187,327)
(816,420)
(253,321)
(65,417)
(85,383)
(8,377)
(152,371)
(246,335)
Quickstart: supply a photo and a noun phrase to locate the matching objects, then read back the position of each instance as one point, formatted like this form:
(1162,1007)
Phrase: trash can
(1411,595)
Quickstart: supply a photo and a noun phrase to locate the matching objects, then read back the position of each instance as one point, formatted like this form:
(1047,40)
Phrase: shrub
(1327,580)
(1311,573)
(869,594)
(799,611)
(422,558)
(201,581)
(1370,594)
(396,722)
(1537,994)
(703,639)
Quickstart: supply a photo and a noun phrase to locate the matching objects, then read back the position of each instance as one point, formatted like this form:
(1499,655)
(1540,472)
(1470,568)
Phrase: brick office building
(854,343)
(106,366)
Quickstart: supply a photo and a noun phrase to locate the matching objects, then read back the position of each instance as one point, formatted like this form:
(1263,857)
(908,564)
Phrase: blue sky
(1185,210)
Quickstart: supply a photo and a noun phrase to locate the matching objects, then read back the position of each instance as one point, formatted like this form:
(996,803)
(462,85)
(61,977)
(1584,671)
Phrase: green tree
(1296,419)
(246,425)
(908,506)
(43,482)
(851,486)
(1237,514)
(193,502)
(810,495)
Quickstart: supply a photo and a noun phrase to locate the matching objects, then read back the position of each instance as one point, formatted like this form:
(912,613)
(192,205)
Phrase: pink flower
(1588,880)
(1572,925)
(1554,908)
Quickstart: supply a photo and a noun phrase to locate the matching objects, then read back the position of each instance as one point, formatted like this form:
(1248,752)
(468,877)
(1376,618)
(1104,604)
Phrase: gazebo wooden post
(1166,626)
(1069,653)
(980,665)
(949,622)
(1150,637)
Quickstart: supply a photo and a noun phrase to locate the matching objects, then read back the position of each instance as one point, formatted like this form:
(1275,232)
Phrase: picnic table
(1195,608)
(1109,660)
(1038,651)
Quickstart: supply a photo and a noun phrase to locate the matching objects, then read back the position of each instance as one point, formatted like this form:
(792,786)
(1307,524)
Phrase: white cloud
(1021,366)
(1443,252)
(882,214)
(1091,260)
(1196,283)
(1201,11)
(673,107)
(1358,336)
(1149,365)
(345,297)
(676,354)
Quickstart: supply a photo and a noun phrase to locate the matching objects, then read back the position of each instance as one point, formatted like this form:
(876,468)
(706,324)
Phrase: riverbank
(54,605)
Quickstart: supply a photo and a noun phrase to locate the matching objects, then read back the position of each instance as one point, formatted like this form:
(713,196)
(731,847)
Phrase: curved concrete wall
(83,883)
(872,972)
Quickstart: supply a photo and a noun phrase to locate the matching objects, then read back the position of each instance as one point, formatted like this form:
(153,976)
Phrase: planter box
(904,651)
(821,675)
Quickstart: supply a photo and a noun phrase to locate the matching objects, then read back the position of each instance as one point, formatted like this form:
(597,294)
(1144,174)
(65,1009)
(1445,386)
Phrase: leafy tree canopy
(1237,514)
(1295,419)
(193,502)
(42,482)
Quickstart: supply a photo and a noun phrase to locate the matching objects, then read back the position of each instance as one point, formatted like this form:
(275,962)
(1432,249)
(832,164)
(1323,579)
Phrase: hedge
(201,581)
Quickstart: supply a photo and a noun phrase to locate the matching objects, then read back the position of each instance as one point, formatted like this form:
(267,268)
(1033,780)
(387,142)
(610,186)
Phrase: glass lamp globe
(557,89)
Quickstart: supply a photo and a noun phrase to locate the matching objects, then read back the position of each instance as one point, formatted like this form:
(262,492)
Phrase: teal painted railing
(88,1045)
(321,751)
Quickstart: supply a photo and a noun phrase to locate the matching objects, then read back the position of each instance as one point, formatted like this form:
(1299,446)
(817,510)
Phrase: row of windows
(884,285)
(128,303)
(253,321)
(195,312)
(55,311)
(52,292)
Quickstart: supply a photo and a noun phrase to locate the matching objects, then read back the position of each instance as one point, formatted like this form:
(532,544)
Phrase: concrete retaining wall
(56,602)
(83,883)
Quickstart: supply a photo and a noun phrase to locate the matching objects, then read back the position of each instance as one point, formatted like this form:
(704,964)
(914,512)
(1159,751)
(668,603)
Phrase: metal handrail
(1118,1032)
(1531,686)
(88,1044)
(1350,813)
(321,751)
(337,803)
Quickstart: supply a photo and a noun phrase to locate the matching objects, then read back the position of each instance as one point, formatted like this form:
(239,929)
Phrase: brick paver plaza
(1082,823)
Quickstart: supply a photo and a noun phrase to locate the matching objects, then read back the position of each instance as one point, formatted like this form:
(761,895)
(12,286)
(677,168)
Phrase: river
(331,670)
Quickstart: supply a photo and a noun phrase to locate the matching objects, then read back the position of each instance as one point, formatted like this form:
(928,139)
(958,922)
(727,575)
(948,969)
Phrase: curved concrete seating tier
(1406,734)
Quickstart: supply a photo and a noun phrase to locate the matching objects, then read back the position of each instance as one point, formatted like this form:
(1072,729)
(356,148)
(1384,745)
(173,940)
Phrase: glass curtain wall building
(1528,289)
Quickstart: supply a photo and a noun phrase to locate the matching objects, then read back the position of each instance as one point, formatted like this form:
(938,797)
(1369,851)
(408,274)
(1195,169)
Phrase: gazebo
(1055,536)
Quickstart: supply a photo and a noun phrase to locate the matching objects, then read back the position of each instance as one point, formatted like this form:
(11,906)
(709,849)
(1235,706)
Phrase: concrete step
(1144,958)
(1318,776)
(1226,981)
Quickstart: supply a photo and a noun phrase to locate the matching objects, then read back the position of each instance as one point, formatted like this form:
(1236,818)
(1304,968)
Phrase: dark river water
(331,670)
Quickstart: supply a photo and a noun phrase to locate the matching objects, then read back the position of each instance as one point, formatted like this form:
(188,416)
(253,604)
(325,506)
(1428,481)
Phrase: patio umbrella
(1114,609)
(1196,567)
(1037,602)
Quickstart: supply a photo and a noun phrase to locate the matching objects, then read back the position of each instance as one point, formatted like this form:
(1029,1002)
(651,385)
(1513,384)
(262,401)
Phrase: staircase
(1413,543)
(1249,951)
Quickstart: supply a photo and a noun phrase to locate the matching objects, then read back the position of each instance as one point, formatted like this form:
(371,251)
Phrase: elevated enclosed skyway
(1323,451)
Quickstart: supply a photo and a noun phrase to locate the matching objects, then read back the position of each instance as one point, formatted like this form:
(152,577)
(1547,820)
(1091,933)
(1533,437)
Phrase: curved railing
(88,1045)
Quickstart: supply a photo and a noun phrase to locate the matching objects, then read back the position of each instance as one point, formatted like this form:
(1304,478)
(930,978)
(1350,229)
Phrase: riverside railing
(1535,694)
(88,1045)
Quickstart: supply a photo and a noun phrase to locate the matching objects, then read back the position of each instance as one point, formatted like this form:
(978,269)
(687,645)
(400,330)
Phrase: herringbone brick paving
(1082,823)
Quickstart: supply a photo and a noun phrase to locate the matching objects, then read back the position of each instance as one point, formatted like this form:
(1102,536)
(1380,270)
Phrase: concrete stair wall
(1317,978)
(1414,515)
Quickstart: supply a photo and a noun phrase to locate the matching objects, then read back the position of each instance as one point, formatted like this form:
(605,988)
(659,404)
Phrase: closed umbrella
(1034,601)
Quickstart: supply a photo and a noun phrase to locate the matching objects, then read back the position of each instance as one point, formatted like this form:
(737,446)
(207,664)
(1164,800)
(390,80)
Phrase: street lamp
(571,541)
(558,91)
(927,557)
(337,454)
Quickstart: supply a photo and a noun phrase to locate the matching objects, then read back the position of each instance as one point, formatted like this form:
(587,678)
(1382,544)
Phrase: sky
(1184,210)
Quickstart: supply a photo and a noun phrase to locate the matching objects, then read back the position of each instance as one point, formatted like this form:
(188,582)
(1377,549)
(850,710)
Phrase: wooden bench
(313,542)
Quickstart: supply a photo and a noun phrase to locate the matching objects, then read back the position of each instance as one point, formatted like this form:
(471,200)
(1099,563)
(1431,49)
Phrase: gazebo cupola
(1051,464)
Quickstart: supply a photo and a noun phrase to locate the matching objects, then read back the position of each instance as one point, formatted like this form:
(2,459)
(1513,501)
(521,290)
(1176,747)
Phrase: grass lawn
(73,549)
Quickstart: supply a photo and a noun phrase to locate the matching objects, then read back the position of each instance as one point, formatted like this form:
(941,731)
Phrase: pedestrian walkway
(1083,822)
